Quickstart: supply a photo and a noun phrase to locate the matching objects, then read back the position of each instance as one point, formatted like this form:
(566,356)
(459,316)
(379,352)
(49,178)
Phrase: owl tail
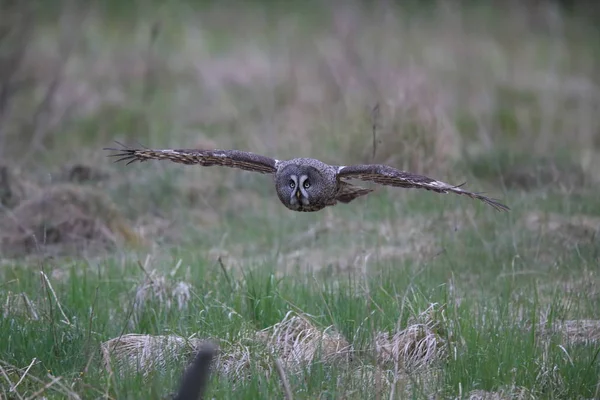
(349,192)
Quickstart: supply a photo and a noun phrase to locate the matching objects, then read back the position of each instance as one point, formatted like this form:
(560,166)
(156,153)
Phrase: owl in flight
(303,184)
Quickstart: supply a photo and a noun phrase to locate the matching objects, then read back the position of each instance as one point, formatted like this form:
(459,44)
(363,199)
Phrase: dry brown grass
(567,229)
(158,288)
(545,174)
(295,340)
(64,219)
(503,394)
(561,233)
(146,354)
(19,304)
(298,342)
(405,360)
(409,238)
(80,173)
(420,344)
(583,331)
(12,189)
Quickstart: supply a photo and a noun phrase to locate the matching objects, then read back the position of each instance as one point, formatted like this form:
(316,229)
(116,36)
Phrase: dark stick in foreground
(195,378)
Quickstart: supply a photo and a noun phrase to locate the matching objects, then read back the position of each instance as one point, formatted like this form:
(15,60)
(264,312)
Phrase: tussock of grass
(12,190)
(146,354)
(163,290)
(561,233)
(419,344)
(298,342)
(573,229)
(504,394)
(241,361)
(295,340)
(572,332)
(80,173)
(19,304)
(64,218)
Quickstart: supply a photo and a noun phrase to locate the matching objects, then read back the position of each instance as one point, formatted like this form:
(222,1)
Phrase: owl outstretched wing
(388,176)
(207,158)
(348,192)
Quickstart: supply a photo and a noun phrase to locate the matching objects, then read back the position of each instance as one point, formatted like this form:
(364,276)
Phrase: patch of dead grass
(146,353)
(64,219)
(579,331)
(419,344)
(13,188)
(575,227)
(295,340)
(19,304)
(502,394)
(406,238)
(563,232)
(162,289)
(81,173)
(298,342)
(374,376)
(544,174)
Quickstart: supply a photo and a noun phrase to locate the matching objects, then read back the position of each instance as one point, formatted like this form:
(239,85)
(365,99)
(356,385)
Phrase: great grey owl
(303,184)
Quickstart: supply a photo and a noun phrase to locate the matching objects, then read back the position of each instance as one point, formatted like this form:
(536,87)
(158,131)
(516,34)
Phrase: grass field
(111,275)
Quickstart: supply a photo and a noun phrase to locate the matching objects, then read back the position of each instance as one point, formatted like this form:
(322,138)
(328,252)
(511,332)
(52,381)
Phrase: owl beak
(298,194)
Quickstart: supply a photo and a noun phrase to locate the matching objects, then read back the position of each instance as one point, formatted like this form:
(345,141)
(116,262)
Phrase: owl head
(301,187)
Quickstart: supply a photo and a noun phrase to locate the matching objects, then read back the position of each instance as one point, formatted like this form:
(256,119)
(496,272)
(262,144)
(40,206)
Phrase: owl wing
(348,192)
(207,158)
(385,175)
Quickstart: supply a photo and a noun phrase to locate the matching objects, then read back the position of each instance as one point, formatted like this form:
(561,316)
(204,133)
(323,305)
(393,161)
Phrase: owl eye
(292,183)
(306,184)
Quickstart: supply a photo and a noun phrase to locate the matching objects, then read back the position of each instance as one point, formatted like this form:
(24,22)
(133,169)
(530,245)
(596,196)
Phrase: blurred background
(503,92)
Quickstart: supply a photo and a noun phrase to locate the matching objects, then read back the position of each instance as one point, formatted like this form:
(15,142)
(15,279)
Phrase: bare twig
(66,390)
(68,393)
(14,388)
(51,289)
(50,308)
(43,389)
(224,269)
(8,282)
(374,125)
(144,268)
(395,383)
(89,335)
(10,384)
(30,308)
(283,377)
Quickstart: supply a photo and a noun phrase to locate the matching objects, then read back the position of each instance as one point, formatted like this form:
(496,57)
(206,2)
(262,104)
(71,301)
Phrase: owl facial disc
(301,192)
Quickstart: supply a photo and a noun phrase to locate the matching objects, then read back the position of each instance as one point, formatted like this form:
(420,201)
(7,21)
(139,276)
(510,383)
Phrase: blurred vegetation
(505,95)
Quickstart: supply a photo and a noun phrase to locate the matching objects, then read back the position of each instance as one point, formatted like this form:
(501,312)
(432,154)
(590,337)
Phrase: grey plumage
(304,184)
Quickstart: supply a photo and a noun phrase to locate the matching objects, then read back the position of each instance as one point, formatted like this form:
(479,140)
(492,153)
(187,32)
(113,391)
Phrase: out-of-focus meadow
(112,275)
